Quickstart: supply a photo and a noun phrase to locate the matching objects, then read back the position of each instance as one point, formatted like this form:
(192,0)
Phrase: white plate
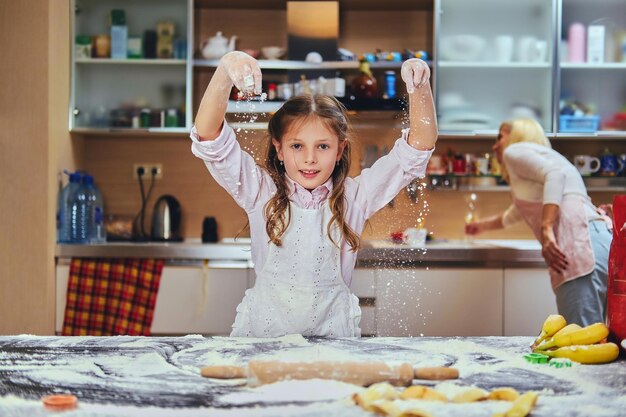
(624,343)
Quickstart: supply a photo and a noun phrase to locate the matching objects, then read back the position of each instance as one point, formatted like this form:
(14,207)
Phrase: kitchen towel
(107,297)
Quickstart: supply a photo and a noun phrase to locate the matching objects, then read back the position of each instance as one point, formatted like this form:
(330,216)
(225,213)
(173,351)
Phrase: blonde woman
(549,194)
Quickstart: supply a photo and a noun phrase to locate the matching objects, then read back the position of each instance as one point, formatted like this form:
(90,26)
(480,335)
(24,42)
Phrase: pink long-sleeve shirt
(251,187)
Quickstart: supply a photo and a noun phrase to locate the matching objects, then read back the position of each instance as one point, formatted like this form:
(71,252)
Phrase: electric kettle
(166,220)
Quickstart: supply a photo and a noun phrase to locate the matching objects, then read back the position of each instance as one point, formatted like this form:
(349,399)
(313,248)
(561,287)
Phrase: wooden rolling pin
(359,373)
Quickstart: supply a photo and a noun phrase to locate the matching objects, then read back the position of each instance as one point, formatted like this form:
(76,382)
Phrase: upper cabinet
(494,60)
(144,64)
(592,61)
(281,34)
(129,65)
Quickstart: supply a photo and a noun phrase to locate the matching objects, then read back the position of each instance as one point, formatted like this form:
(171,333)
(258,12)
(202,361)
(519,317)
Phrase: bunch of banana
(553,324)
(578,344)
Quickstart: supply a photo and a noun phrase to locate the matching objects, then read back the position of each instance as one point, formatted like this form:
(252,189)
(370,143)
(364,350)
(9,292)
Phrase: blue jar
(390,84)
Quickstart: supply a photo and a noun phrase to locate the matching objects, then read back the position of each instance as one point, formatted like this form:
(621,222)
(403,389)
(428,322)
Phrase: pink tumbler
(576,43)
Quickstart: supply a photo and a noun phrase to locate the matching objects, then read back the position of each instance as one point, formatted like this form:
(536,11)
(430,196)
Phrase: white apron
(300,289)
(572,235)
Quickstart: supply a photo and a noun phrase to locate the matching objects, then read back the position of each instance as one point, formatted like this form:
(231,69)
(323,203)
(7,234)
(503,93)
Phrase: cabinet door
(593,66)
(364,286)
(494,61)
(198,300)
(109,92)
(439,302)
(528,300)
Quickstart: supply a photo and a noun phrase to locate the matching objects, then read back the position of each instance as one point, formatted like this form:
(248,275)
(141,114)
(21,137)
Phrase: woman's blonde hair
(277,210)
(523,130)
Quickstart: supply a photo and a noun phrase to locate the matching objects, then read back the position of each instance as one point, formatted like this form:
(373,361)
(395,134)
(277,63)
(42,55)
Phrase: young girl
(550,195)
(305,213)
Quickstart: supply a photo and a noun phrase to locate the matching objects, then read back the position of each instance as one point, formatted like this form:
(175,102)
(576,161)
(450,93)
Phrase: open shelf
(279,64)
(130,61)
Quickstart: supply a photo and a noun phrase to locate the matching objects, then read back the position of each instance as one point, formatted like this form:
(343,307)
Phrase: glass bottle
(364,85)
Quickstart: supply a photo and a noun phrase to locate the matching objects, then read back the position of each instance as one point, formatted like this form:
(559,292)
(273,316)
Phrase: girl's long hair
(523,130)
(277,210)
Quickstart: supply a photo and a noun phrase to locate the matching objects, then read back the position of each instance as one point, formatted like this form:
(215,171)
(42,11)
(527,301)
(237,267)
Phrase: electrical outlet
(148,167)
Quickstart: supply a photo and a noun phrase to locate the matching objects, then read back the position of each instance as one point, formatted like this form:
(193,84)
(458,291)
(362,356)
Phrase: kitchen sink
(457,244)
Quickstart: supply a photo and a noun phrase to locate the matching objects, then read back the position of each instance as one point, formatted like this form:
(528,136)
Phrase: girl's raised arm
(236,68)
(422,118)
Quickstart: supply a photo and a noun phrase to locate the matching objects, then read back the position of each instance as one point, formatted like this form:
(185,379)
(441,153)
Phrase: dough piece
(379,391)
(397,409)
(522,406)
(422,392)
(470,395)
(503,394)
(384,408)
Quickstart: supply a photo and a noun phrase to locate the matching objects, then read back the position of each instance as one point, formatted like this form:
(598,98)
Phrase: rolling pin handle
(436,373)
(223,372)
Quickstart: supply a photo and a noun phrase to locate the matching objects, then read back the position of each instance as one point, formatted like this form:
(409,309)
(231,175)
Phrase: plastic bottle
(97,232)
(616,291)
(82,210)
(64,207)
(390,84)
(576,42)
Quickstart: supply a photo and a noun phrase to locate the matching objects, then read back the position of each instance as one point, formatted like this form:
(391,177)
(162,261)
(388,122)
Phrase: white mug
(586,164)
(538,51)
(482,166)
(524,48)
(503,48)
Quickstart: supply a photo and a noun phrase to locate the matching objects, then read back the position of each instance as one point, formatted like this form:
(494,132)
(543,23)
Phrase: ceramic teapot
(217,46)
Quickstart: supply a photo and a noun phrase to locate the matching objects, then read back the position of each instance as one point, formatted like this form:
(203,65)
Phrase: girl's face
(503,136)
(309,151)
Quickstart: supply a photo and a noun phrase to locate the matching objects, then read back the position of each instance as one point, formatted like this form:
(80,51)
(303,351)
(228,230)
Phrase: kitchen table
(159,376)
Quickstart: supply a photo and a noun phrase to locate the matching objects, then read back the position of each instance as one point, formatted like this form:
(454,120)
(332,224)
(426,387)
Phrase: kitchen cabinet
(191,299)
(364,287)
(201,299)
(439,301)
(108,93)
(364,27)
(493,58)
(598,80)
(528,300)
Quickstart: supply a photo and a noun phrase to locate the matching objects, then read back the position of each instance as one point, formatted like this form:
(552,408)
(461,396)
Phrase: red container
(616,293)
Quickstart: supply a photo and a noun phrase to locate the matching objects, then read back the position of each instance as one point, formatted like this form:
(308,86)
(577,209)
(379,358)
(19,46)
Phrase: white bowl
(273,52)
(461,47)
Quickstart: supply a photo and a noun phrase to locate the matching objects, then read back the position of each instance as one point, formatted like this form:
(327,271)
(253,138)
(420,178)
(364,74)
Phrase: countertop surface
(148,376)
(485,253)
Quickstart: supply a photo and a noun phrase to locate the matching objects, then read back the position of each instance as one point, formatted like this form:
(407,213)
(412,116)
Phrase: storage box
(578,124)
(595,44)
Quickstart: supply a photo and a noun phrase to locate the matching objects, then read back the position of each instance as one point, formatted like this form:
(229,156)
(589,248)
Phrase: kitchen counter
(140,376)
(483,253)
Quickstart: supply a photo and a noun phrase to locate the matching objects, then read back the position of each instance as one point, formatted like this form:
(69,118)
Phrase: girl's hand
(415,73)
(243,71)
(551,251)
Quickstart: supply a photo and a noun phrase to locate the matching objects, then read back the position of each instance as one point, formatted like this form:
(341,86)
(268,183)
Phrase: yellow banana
(553,324)
(585,336)
(587,354)
(567,329)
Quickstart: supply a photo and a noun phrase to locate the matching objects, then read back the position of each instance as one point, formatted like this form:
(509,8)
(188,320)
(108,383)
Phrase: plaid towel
(108,297)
